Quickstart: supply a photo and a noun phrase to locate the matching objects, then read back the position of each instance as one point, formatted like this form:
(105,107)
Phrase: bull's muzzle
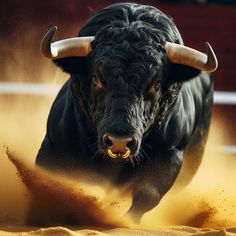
(119,147)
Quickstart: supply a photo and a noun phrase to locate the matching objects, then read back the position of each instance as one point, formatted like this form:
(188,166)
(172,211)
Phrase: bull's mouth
(118,154)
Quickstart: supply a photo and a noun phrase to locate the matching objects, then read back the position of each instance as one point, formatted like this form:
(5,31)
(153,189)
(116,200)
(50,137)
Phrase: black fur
(118,89)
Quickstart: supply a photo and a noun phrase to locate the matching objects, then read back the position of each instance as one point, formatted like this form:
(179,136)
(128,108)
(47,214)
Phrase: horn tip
(213,59)
(52,30)
(45,47)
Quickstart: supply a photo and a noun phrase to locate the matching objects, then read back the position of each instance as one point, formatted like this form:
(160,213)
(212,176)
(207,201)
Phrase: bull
(137,104)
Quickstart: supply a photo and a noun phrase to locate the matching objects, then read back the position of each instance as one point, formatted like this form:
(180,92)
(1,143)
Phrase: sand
(63,231)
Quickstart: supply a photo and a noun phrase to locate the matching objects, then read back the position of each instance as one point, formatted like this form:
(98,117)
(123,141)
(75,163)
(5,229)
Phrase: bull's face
(123,109)
(125,89)
(123,104)
(126,79)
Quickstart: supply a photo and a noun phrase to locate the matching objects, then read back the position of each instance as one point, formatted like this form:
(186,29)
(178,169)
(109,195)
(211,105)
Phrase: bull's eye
(152,90)
(96,81)
(155,87)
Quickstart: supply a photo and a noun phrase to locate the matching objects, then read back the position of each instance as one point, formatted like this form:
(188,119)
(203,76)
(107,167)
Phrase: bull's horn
(72,47)
(180,54)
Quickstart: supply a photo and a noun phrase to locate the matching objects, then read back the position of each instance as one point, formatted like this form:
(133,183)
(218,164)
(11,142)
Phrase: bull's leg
(153,181)
(145,197)
(192,158)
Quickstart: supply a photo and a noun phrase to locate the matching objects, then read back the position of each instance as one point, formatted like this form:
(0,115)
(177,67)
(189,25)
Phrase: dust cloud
(55,200)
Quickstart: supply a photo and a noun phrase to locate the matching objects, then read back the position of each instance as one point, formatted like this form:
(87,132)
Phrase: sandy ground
(170,231)
(52,203)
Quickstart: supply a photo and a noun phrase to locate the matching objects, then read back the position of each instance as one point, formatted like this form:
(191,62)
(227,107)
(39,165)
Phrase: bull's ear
(180,73)
(73,65)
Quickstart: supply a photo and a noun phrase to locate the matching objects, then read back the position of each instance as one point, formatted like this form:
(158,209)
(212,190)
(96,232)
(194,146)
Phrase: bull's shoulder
(59,104)
(61,119)
(198,88)
(183,119)
(196,99)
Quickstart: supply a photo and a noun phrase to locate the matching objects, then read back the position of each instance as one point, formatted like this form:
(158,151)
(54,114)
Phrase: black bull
(130,111)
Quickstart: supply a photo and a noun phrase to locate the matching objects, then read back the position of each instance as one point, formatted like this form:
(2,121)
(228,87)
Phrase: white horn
(180,54)
(72,47)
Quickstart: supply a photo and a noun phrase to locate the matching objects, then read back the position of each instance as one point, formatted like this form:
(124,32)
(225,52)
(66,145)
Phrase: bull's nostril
(106,141)
(132,144)
(109,142)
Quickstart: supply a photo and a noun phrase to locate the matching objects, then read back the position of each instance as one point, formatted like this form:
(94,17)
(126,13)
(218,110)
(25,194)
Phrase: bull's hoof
(134,216)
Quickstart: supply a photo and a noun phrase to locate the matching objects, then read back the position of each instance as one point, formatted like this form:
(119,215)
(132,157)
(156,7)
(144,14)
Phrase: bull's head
(126,79)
